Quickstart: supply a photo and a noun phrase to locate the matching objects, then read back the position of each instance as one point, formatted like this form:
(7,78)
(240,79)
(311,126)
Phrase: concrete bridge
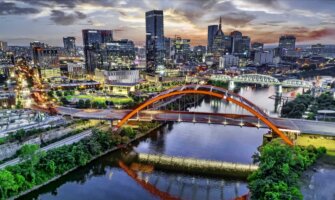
(197,166)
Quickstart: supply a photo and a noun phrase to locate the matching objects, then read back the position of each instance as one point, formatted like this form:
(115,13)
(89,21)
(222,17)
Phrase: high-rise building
(212,29)
(245,49)
(199,53)
(154,24)
(218,48)
(70,45)
(263,57)
(120,54)
(46,60)
(94,42)
(257,46)
(3,46)
(287,42)
(236,37)
(180,50)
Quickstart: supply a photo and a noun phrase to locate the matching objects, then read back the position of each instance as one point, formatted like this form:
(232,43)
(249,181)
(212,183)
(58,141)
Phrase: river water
(104,179)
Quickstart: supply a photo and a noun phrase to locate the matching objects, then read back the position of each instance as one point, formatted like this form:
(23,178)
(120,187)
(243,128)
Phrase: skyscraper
(154,24)
(94,42)
(287,42)
(3,46)
(236,41)
(218,44)
(212,29)
(70,45)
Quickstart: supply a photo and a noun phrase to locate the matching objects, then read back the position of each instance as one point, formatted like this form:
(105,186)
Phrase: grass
(317,141)
(100,99)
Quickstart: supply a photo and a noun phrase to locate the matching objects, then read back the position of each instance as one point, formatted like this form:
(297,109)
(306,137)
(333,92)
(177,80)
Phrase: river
(104,179)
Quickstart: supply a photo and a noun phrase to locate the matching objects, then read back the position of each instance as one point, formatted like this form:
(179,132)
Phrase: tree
(59,93)
(64,101)
(87,103)
(279,171)
(51,93)
(81,103)
(7,183)
(129,132)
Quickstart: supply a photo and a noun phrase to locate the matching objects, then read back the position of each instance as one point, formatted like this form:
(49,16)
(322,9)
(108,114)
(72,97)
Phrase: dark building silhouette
(154,23)
(70,45)
(212,29)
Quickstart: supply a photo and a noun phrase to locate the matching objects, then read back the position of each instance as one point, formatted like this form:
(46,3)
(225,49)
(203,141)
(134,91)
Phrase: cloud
(266,6)
(10,8)
(237,19)
(61,18)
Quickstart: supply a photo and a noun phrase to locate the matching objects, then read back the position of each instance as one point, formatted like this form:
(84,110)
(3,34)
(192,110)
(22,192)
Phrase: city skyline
(264,21)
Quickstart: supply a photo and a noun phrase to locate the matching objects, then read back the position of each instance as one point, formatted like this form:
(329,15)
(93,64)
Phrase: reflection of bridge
(175,188)
(261,79)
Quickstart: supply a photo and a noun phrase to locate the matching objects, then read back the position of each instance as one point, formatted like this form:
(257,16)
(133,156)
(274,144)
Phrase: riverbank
(118,145)
(322,72)
(318,182)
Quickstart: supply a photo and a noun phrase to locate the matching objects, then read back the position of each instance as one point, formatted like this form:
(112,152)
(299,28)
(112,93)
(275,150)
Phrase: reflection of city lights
(28,102)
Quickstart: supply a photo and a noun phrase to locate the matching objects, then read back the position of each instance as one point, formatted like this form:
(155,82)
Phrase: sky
(23,21)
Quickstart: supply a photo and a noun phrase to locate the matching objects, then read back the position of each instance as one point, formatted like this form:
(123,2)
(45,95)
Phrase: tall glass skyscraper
(212,29)
(93,41)
(154,23)
(70,45)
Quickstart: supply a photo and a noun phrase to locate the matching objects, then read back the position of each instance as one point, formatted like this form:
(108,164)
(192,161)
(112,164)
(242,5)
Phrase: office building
(226,61)
(70,45)
(257,46)
(154,24)
(263,57)
(119,54)
(3,46)
(94,42)
(287,42)
(212,29)
(199,53)
(46,60)
(218,48)
(180,50)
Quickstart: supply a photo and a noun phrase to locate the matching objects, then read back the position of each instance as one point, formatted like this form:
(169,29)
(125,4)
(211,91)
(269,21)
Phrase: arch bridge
(262,79)
(212,91)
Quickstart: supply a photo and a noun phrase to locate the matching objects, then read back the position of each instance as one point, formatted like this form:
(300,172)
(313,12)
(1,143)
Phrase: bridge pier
(279,90)
(231,85)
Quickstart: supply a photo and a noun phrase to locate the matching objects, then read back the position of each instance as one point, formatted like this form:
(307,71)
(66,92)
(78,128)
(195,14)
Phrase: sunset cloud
(263,20)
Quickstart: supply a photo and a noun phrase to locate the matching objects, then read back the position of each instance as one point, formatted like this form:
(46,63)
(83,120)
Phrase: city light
(230,99)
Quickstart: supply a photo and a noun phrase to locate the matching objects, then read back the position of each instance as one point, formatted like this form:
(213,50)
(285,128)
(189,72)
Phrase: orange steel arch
(244,106)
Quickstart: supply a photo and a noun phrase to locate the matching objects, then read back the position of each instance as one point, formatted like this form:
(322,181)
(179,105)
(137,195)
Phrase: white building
(76,70)
(119,82)
(226,61)
(263,57)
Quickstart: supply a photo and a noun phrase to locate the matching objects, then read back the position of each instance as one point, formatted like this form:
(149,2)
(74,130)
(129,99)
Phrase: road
(66,141)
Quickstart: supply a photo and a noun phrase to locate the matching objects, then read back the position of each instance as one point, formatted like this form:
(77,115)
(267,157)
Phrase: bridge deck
(304,126)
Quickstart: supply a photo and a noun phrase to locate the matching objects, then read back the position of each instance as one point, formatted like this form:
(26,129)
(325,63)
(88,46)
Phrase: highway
(66,141)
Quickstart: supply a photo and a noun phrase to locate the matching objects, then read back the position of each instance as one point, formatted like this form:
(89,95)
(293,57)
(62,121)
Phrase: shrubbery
(38,167)
(279,170)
